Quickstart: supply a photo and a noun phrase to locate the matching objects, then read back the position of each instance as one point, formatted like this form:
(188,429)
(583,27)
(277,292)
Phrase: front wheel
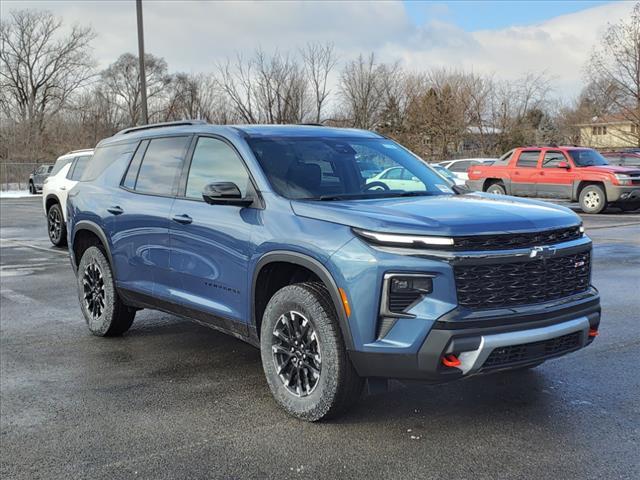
(56,226)
(32,188)
(304,356)
(105,313)
(592,199)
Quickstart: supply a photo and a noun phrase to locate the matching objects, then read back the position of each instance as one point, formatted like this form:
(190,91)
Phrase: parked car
(448,175)
(270,233)
(571,173)
(623,159)
(65,174)
(461,167)
(37,178)
(395,178)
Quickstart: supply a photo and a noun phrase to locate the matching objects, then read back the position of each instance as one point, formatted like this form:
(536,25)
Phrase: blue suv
(340,254)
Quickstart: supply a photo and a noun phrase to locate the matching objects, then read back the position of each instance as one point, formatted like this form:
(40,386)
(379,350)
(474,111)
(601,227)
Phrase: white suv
(461,166)
(65,174)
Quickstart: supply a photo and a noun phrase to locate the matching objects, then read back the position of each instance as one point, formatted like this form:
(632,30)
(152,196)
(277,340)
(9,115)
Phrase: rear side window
(134,167)
(61,162)
(528,159)
(161,166)
(102,158)
(78,167)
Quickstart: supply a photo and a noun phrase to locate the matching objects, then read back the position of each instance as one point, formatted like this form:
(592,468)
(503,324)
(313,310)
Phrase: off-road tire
(56,226)
(114,317)
(497,188)
(338,386)
(592,199)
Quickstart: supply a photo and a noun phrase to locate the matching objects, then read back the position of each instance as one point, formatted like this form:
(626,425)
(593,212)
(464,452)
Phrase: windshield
(587,158)
(343,168)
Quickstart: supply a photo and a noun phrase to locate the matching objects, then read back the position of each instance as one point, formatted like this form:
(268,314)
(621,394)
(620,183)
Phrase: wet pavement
(172,399)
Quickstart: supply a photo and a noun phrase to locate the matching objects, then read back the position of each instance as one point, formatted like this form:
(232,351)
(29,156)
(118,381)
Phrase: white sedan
(461,167)
(398,178)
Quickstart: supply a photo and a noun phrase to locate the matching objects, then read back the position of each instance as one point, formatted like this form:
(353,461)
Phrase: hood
(609,169)
(470,214)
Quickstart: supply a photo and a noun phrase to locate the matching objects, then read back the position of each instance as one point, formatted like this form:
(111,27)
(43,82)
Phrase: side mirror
(564,165)
(224,193)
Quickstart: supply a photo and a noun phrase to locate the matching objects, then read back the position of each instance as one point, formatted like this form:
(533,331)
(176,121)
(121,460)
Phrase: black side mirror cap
(224,193)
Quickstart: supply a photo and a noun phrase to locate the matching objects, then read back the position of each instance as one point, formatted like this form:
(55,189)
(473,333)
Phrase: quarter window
(528,159)
(460,166)
(161,166)
(214,161)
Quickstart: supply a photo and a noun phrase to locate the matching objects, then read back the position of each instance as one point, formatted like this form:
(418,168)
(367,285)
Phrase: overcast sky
(502,38)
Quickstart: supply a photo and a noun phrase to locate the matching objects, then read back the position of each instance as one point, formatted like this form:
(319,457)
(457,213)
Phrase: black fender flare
(316,267)
(97,230)
(52,196)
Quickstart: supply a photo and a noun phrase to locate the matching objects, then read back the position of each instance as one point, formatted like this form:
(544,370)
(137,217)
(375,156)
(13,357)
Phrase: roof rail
(161,125)
(79,150)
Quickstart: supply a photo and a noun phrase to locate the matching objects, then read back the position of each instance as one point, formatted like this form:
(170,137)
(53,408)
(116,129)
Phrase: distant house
(609,132)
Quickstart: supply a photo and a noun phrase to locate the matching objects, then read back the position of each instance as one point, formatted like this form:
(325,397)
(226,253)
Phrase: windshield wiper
(351,196)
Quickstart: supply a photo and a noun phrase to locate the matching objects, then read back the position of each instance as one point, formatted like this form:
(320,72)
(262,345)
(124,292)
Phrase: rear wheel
(592,199)
(304,356)
(32,188)
(105,313)
(56,226)
(497,189)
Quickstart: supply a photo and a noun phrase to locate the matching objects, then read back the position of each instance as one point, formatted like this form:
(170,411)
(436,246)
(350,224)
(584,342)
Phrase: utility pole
(143,77)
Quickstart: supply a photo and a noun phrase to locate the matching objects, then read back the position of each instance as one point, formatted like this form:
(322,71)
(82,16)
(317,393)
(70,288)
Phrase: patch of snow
(17,194)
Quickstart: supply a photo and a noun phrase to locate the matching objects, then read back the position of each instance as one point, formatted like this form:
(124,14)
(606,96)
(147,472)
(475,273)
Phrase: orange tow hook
(450,361)
(593,332)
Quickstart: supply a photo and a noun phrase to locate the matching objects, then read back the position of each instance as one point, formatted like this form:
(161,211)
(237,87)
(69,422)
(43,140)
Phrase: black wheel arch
(317,268)
(95,229)
(50,201)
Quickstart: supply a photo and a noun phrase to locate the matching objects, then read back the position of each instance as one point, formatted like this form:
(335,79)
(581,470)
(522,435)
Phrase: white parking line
(16,243)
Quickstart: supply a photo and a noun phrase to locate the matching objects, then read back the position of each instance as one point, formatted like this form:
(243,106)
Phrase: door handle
(116,210)
(184,219)
(63,188)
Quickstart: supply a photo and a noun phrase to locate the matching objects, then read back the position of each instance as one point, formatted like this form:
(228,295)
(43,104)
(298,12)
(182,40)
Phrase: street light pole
(143,77)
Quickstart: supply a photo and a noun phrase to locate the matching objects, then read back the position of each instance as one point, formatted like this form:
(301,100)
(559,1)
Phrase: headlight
(398,240)
(623,179)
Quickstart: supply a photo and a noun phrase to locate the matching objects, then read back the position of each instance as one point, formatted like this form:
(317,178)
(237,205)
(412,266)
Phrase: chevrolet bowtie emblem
(542,252)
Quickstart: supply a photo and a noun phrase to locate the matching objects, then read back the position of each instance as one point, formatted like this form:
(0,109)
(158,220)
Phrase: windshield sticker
(443,188)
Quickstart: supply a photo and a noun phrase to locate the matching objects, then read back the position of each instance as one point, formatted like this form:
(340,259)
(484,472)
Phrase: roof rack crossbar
(161,125)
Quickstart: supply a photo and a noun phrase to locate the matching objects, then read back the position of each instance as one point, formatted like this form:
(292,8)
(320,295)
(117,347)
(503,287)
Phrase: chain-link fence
(15,176)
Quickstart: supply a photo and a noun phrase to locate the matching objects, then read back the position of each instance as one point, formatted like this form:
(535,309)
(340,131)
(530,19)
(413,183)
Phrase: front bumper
(539,335)
(616,193)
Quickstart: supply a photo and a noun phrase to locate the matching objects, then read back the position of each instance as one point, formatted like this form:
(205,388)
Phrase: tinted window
(552,159)
(214,161)
(102,158)
(61,162)
(161,166)
(294,167)
(79,167)
(460,166)
(132,172)
(528,159)
(587,158)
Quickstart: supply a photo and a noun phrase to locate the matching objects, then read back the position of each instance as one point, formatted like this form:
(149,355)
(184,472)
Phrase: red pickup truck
(572,173)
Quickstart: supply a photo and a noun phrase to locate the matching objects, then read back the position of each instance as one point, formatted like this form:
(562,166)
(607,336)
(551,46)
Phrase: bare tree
(41,67)
(121,79)
(363,84)
(320,60)
(269,89)
(614,69)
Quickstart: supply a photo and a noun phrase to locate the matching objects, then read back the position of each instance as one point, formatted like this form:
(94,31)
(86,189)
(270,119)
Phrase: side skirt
(239,330)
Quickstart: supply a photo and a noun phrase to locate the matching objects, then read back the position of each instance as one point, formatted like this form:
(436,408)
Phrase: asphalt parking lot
(172,399)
